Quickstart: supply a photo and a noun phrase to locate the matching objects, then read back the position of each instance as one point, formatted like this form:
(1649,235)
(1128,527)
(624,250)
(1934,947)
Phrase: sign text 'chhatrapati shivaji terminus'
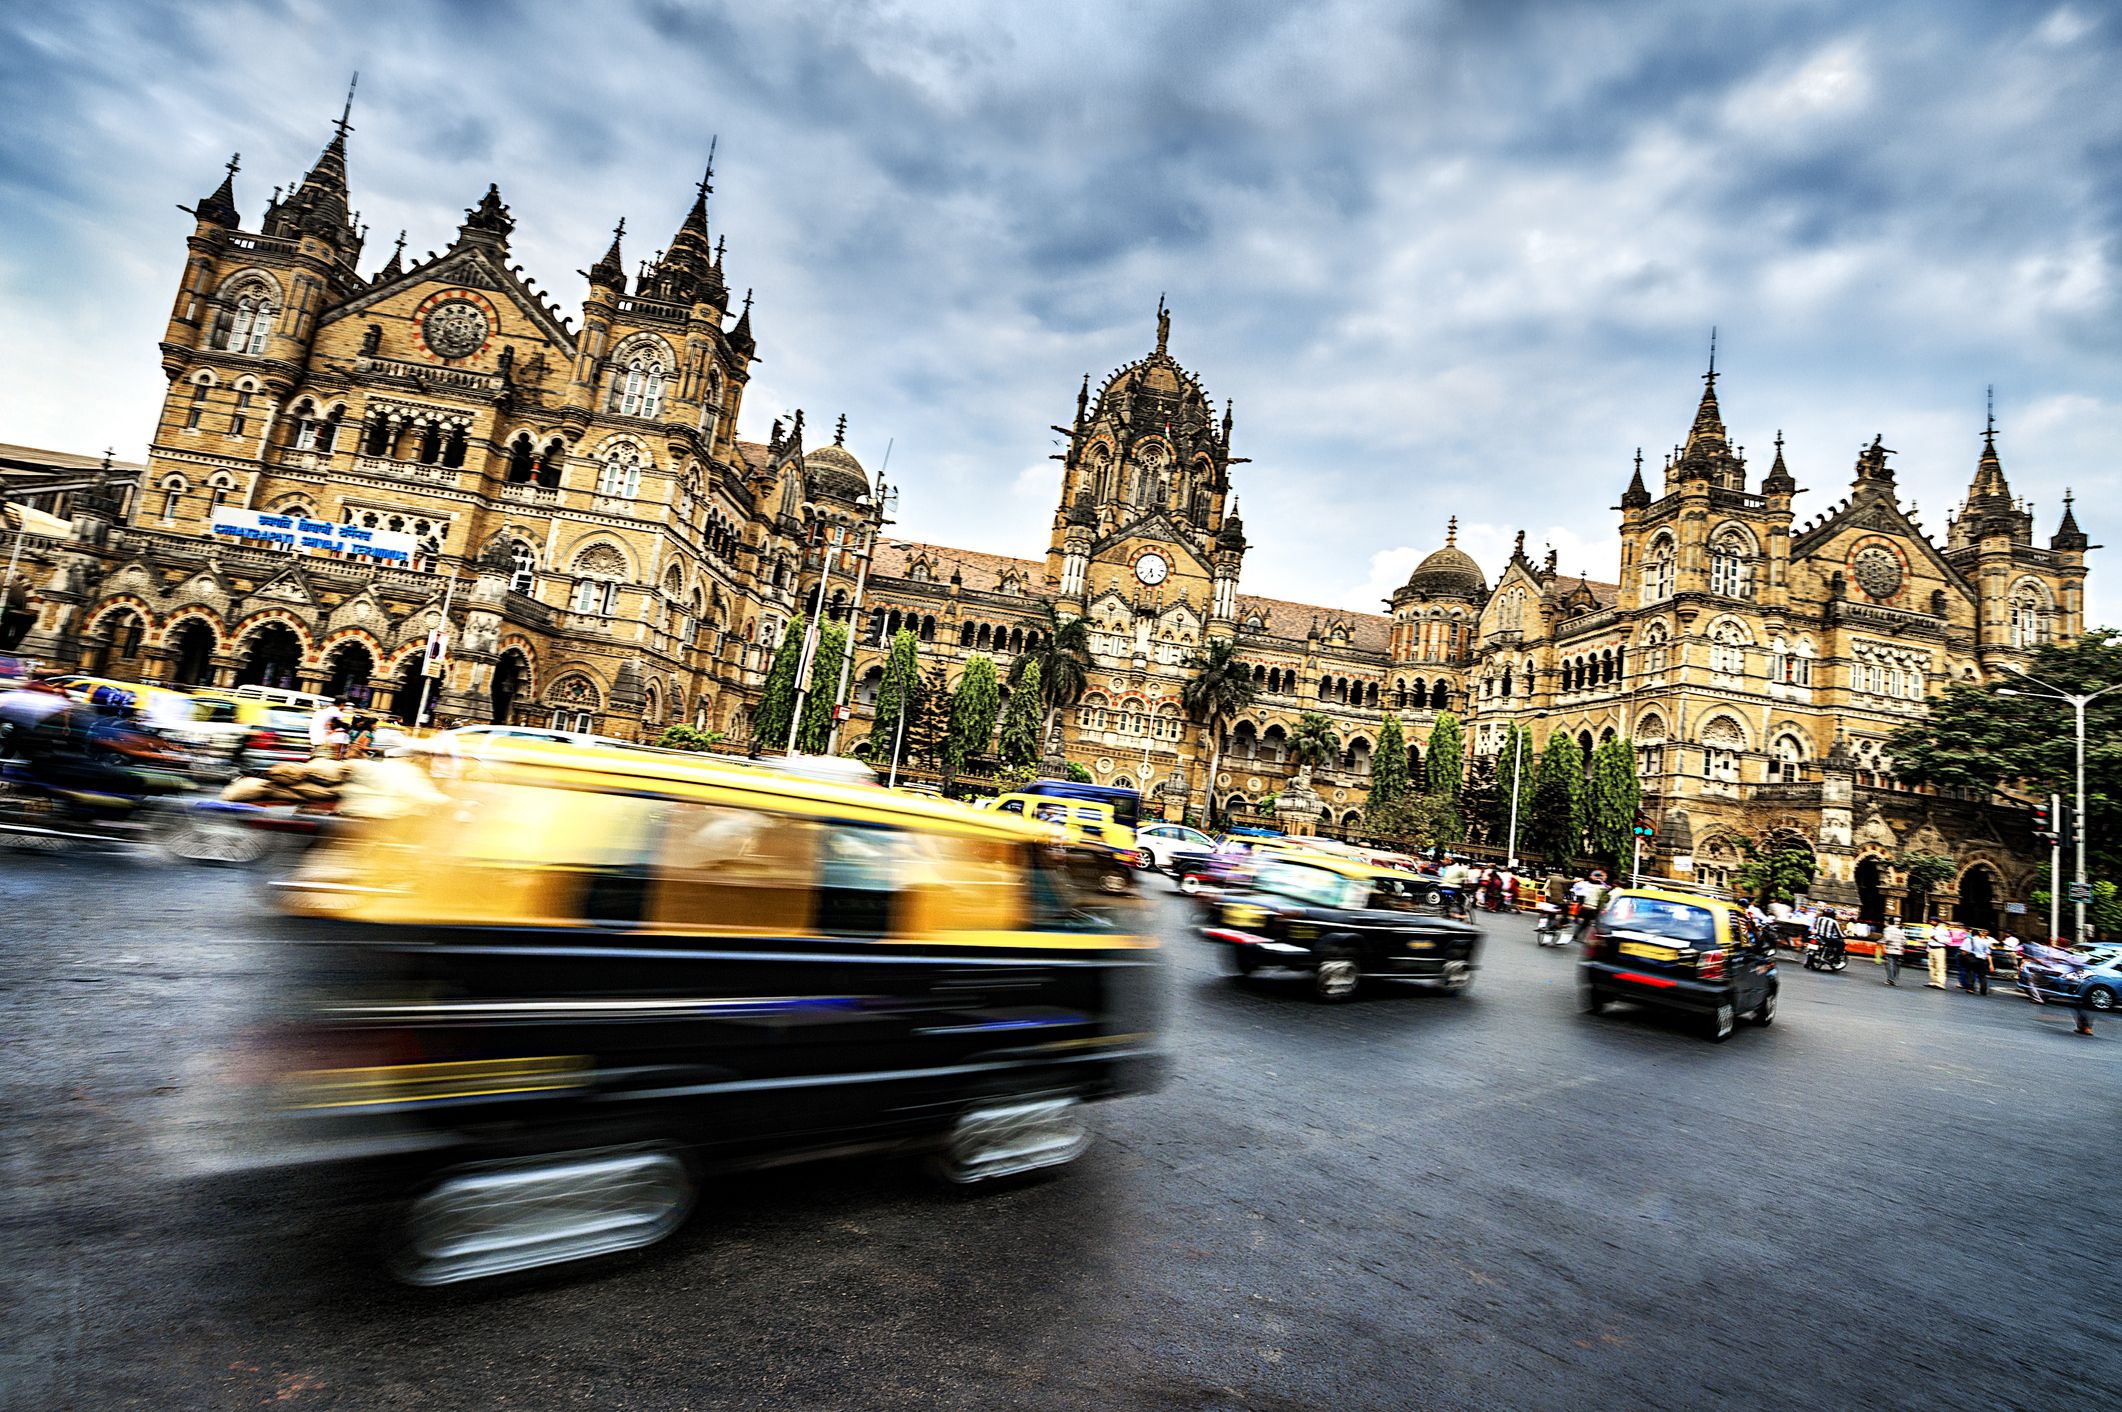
(611,557)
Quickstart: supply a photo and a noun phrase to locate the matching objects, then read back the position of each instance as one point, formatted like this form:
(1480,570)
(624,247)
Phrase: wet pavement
(1411,1200)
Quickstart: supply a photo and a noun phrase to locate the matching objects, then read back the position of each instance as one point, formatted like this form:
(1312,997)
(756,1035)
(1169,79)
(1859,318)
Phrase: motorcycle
(1825,957)
(1554,928)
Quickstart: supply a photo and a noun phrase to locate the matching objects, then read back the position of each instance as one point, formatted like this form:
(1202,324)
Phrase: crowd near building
(612,557)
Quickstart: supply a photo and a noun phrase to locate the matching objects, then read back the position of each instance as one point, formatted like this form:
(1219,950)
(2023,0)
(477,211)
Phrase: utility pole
(2080,889)
(810,644)
(887,501)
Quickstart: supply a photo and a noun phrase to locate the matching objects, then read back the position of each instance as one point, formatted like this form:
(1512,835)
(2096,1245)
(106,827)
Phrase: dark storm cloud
(1446,257)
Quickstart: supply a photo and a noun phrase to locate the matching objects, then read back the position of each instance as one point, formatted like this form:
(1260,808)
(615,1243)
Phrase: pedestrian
(1934,954)
(1980,944)
(327,730)
(1956,938)
(2059,966)
(1893,942)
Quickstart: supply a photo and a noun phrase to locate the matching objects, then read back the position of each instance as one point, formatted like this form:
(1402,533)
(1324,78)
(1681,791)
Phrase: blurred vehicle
(549,990)
(1084,823)
(1679,951)
(2101,984)
(1168,844)
(464,735)
(1126,803)
(1342,921)
(281,696)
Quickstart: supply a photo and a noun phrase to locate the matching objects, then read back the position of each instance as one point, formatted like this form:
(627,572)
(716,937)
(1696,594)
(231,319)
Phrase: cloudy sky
(1447,258)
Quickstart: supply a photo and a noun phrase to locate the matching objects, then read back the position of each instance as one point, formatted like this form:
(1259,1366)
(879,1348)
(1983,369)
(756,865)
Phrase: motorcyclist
(1827,933)
(1590,894)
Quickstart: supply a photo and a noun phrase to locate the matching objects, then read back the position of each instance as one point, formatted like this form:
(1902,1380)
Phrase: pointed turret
(1989,468)
(2068,538)
(319,205)
(220,207)
(740,337)
(1637,496)
(610,272)
(690,271)
(1708,453)
(395,265)
(1779,480)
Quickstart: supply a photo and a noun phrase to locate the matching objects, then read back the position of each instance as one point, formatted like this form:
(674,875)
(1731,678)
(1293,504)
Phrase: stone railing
(1785,791)
(460,378)
(1894,621)
(529,612)
(1586,622)
(525,493)
(654,309)
(405,470)
(266,243)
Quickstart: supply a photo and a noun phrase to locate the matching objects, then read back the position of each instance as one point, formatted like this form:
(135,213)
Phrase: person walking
(1980,944)
(2056,965)
(1893,942)
(1934,955)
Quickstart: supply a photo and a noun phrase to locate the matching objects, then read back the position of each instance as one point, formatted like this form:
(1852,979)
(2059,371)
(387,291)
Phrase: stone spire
(740,337)
(611,270)
(691,269)
(1709,418)
(395,265)
(1989,470)
(220,207)
(319,206)
(2068,537)
(1779,480)
(1637,496)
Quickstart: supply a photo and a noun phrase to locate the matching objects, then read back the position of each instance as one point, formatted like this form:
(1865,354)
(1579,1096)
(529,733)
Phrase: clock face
(1151,568)
(456,328)
(1878,571)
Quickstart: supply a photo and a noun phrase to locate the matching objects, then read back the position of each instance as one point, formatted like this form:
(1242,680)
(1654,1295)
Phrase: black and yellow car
(1343,921)
(549,986)
(1679,951)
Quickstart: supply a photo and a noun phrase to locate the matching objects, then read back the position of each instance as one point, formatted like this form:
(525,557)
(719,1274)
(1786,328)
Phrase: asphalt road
(1408,1201)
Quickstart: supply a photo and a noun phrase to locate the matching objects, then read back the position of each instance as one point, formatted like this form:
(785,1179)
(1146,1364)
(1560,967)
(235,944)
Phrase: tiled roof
(1367,632)
(28,457)
(983,572)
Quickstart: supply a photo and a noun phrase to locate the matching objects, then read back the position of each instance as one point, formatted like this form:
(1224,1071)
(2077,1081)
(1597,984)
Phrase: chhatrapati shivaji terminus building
(568,484)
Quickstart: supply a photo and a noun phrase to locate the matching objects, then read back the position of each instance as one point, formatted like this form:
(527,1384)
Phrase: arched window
(1650,745)
(221,488)
(637,385)
(239,418)
(195,413)
(1722,742)
(621,472)
(522,461)
(377,441)
(599,570)
(173,488)
(1439,695)
(1727,648)
(522,567)
(252,320)
(2029,615)
(1789,759)
(551,462)
(305,425)
(1731,564)
(1658,570)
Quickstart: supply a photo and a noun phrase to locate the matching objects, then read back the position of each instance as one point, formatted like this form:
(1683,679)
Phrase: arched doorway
(274,656)
(195,655)
(117,649)
(1871,892)
(348,671)
(1977,906)
(510,674)
(405,694)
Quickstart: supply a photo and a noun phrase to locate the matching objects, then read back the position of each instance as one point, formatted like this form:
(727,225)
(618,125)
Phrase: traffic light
(1643,827)
(2044,822)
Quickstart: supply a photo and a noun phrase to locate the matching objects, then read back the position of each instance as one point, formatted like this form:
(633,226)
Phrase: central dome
(833,473)
(1450,572)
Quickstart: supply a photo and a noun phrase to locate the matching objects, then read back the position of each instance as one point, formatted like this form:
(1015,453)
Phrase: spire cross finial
(1779,441)
(235,163)
(619,229)
(707,181)
(747,301)
(347,112)
(1639,460)
(840,431)
(1711,376)
(1989,420)
(720,241)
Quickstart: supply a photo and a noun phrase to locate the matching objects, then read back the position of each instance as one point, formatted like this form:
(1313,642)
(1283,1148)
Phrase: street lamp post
(1517,780)
(2078,701)
(811,633)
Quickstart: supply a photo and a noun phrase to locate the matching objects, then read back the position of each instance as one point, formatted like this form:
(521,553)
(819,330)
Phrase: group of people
(339,732)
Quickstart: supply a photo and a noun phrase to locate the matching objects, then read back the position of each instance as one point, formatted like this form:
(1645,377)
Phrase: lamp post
(810,643)
(1517,788)
(887,502)
(2078,702)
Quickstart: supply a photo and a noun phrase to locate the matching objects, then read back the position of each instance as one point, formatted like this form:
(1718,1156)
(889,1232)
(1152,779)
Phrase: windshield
(1316,887)
(1676,921)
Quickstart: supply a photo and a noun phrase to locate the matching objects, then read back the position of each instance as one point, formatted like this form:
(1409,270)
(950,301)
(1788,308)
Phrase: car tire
(1591,1000)
(1189,883)
(1722,1021)
(2100,998)
(1434,898)
(1336,978)
(1765,1013)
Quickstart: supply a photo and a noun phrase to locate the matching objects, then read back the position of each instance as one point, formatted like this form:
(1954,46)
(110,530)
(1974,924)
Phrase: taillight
(1710,965)
(264,740)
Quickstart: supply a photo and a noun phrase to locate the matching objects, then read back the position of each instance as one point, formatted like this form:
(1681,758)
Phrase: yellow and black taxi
(548,986)
(1343,921)
(1680,951)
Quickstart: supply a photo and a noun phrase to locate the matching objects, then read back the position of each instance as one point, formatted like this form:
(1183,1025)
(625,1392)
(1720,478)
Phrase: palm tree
(1219,689)
(1063,655)
(1313,743)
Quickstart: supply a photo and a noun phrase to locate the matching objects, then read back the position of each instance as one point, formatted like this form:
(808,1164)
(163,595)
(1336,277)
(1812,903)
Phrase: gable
(1832,544)
(469,268)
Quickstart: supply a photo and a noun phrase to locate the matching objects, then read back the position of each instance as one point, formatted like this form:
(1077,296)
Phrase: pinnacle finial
(1164,325)
(1451,532)
(840,431)
(346,113)
(1639,460)
(235,163)
(707,180)
(1711,376)
(747,301)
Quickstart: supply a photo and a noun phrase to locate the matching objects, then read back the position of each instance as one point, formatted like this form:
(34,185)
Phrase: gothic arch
(599,555)
(124,602)
(263,616)
(189,614)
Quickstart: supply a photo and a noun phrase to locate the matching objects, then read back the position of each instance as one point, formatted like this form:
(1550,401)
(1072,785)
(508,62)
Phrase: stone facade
(612,557)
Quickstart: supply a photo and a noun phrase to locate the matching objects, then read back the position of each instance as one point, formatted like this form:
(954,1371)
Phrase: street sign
(2016,909)
(2081,892)
(841,713)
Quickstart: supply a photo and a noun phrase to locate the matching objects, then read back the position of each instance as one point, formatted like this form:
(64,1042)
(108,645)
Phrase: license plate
(1240,916)
(1422,946)
(1645,951)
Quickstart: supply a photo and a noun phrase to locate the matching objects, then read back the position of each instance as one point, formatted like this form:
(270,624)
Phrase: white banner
(315,536)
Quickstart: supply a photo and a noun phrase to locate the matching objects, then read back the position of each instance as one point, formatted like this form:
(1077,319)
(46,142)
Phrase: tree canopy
(973,708)
(898,693)
(824,682)
(1559,790)
(777,699)
(1443,765)
(1388,775)
(1314,742)
(1614,795)
(1020,720)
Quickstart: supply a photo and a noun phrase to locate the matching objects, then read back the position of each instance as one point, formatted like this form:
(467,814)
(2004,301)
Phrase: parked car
(1170,845)
(1682,952)
(1344,922)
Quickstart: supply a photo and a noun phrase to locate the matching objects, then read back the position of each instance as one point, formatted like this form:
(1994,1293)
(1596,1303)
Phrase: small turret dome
(833,473)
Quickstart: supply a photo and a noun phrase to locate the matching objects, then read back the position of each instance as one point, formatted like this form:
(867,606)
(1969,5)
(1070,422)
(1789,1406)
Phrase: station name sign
(303,535)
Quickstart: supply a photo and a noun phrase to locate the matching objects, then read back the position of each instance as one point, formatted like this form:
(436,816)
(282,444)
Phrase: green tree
(1313,743)
(1615,796)
(896,696)
(824,681)
(1063,660)
(973,709)
(1559,789)
(1775,870)
(1221,686)
(1020,721)
(1388,776)
(1977,737)
(687,738)
(1443,768)
(1080,774)
(1477,800)
(777,699)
